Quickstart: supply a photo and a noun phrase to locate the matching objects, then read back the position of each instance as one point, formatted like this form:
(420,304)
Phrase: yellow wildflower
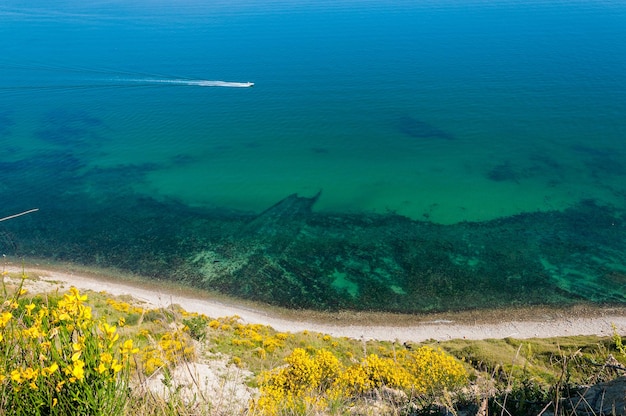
(47,371)
(75,296)
(116,366)
(30,374)
(101,368)
(5,317)
(64,316)
(127,348)
(85,313)
(43,312)
(109,332)
(32,332)
(29,308)
(78,370)
(16,376)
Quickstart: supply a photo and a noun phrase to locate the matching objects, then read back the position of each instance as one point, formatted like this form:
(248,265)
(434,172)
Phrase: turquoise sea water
(469,118)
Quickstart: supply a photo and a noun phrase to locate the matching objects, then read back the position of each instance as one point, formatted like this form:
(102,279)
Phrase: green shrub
(56,359)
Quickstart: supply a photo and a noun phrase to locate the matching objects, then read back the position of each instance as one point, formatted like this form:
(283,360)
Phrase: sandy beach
(541,323)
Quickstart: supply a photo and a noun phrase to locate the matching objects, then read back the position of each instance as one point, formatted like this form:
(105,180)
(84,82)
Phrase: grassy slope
(496,366)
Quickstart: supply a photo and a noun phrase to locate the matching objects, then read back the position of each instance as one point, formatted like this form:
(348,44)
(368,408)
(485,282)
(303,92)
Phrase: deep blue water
(443,111)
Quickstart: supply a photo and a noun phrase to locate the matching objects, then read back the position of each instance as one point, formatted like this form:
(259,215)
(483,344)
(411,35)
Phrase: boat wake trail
(189,82)
(25,76)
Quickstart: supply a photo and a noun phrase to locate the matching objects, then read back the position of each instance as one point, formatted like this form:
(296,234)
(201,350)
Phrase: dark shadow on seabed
(291,256)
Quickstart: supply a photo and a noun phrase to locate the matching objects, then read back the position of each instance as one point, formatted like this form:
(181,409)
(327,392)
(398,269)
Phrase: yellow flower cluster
(172,348)
(151,360)
(304,383)
(311,381)
(72,311)
(261,338)
(224,323)
(435,370)
(51,349)
(124,307)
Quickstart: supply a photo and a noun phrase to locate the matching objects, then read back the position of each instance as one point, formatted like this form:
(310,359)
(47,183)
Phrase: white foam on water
(190,82)
(78,77)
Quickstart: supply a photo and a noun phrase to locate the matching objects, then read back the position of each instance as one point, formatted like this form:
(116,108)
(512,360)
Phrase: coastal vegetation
(67,352)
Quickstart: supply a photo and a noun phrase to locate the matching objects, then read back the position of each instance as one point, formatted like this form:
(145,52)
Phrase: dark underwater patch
(65,117)
(419,129)
(120,178)
(593,151)
(6,123)
(320,150)
(42,173)
(609,165)
(504,172)
(602,161)
(183,159)
(59,181)
(543,162)
(70,128)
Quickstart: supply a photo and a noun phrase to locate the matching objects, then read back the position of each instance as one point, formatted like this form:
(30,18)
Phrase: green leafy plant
(56,359)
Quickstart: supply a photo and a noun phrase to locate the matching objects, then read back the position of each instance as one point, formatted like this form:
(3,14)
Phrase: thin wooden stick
(19,215)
